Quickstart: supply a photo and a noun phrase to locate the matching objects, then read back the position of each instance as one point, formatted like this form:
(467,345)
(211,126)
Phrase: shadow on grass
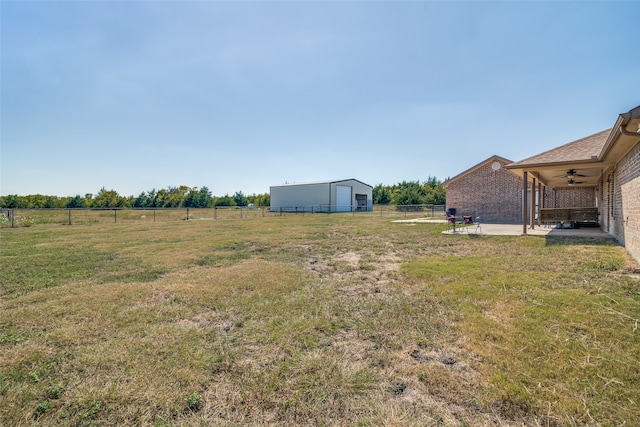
(555,240)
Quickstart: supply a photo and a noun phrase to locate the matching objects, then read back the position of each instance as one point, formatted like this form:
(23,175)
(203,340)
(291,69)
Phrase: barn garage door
(343,198)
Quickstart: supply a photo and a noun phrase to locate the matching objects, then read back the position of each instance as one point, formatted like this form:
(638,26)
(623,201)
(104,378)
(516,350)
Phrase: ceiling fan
(572,182)
(571,174)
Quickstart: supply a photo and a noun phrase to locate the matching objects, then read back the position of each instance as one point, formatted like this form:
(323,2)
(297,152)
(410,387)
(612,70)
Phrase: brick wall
(493,195)
(625,218)
(570,197)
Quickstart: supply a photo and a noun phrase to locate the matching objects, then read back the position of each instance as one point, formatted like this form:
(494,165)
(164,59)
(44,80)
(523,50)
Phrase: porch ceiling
(573,175)
(559,175)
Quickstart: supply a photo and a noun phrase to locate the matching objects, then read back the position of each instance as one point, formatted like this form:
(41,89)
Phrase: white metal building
(345,195)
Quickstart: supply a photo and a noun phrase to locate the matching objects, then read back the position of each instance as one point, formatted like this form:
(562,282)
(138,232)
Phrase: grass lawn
(314,320)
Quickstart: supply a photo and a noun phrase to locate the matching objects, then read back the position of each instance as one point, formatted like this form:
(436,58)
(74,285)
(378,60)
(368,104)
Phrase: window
(612,193)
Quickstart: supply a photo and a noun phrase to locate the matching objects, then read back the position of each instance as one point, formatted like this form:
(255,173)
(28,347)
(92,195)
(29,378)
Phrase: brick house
(487,190)
(619,183)
(594,179)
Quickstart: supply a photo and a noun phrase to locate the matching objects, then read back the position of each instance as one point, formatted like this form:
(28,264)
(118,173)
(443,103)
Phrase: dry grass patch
(549,345)
(314,320)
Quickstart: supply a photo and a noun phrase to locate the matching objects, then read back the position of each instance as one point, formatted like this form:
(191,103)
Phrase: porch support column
(525,178)
(532,216)
(540,200)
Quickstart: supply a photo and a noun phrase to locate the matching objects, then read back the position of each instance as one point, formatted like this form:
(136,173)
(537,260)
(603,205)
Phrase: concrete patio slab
(516,230)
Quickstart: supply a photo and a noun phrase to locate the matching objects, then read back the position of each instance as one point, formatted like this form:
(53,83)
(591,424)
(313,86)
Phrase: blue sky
(240,96)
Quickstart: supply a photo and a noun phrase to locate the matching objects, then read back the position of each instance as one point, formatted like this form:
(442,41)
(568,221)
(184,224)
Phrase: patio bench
(569,215)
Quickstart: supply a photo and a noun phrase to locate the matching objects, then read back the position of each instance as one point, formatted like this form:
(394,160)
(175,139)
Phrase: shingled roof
(583,150)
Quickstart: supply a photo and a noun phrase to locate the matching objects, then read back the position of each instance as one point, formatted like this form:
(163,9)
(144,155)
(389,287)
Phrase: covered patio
(560,186)
(578,184)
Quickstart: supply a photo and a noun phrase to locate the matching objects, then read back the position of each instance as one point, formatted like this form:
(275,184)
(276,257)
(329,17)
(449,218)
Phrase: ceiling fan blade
(571,173)
(572,182)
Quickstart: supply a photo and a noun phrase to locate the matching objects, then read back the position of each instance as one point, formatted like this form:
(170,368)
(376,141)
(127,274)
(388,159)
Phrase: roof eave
(634,113)
(617,132)
(613,136)
(321,183)
(554,165)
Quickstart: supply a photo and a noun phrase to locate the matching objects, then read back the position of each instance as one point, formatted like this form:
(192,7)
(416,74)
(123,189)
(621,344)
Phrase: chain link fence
(13,218)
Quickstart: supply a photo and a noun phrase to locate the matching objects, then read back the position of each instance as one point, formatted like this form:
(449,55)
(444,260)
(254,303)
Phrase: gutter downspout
(627,133)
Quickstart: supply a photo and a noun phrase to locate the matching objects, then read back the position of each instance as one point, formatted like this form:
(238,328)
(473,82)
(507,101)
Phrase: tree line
(171,197)
(429,192)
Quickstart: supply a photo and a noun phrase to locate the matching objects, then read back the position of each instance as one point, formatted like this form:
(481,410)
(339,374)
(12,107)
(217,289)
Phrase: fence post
(215,212)
(69,216)
(115,216)
(13,216)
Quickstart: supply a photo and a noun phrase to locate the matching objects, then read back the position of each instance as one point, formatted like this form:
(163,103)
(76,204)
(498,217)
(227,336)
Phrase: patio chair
(472,225)
(455,224)
(451,221)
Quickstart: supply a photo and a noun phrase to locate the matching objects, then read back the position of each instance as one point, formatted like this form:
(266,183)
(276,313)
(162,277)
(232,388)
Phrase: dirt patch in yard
(365,270)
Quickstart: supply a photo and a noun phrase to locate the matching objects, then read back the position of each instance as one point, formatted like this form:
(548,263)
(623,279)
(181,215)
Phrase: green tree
(432,182)
(174,197)
(13,201)
(240,199)
(88,200)
(75,202)
(151,199)
(205,198)
(408,196)
(381,195)
(260,199)
(436,195)
(52,202)
(109,199)
(142,201)
(225,200)
(408,193)
(35,201)
(159,198)
(198,198)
